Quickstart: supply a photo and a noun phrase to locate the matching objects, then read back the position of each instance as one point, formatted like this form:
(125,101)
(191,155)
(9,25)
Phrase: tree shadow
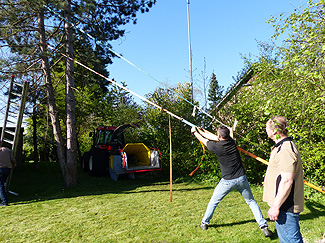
(47,184)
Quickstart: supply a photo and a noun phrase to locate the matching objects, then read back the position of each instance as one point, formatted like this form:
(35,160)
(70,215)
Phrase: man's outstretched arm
(203,135)
(208,135)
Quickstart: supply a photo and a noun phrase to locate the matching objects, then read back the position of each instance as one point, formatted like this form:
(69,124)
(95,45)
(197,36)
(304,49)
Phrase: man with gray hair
(7,163)
(283,182)
(233,175)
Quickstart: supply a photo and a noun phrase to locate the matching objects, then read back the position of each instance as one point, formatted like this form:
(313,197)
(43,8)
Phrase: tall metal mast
(189,46)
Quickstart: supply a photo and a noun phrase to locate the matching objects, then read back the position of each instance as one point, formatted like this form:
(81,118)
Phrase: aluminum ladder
(17,95)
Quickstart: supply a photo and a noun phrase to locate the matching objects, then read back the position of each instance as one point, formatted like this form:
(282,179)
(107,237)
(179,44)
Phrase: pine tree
(215,92)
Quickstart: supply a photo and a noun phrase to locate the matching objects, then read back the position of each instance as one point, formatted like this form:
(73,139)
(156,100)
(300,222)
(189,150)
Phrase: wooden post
(170,161)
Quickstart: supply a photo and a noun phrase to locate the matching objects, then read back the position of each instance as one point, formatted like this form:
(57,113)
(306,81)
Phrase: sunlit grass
(101,210)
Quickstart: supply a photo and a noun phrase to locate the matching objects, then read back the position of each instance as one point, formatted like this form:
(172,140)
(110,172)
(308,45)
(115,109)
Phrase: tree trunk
(72,178)
(34,119)
(50,96)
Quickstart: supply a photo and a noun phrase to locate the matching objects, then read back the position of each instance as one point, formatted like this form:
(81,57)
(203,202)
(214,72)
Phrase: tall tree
(71,159)
(51,99)
(215,91)
(23,32)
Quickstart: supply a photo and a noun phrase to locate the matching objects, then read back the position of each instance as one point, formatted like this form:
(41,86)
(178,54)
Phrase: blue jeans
(223,188)
(287,227)
(4,173)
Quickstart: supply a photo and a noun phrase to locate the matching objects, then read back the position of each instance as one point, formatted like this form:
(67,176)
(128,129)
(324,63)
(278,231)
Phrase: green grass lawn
(102,210)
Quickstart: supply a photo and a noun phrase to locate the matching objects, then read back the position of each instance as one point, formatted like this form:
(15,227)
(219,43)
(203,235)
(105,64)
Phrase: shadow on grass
(273,237)
(46,183)
(316,210)
(232,224)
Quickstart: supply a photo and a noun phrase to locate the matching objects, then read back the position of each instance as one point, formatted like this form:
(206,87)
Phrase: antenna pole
(189,46)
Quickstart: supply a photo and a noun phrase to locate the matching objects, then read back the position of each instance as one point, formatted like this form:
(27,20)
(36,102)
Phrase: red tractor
(109,152)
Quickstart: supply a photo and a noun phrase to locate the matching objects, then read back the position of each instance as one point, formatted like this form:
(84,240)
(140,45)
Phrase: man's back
(229,158)
(7,159)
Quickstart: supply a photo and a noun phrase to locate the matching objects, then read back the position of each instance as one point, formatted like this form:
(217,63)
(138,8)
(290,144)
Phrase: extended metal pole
(170,160)
(189,46)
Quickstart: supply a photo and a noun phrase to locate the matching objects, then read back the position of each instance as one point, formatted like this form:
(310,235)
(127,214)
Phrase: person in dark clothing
(7,163)
(233,174)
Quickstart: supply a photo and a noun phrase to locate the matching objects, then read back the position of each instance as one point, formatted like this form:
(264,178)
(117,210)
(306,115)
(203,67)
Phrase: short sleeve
(287,159)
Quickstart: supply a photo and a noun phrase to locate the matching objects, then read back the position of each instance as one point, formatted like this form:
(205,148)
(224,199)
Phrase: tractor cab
(108,138)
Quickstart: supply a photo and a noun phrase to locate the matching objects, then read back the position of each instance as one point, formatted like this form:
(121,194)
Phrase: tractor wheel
(98,164)
(85,161)
(91,166)
(90,163)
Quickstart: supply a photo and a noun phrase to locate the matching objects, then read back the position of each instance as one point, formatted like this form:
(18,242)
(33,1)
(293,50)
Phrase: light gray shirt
(7,159)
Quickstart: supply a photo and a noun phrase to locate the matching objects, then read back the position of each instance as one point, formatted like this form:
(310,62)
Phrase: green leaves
(186,151)
(292,85)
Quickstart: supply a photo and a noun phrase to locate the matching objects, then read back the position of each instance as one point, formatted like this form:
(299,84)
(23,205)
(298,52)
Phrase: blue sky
(221,31)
